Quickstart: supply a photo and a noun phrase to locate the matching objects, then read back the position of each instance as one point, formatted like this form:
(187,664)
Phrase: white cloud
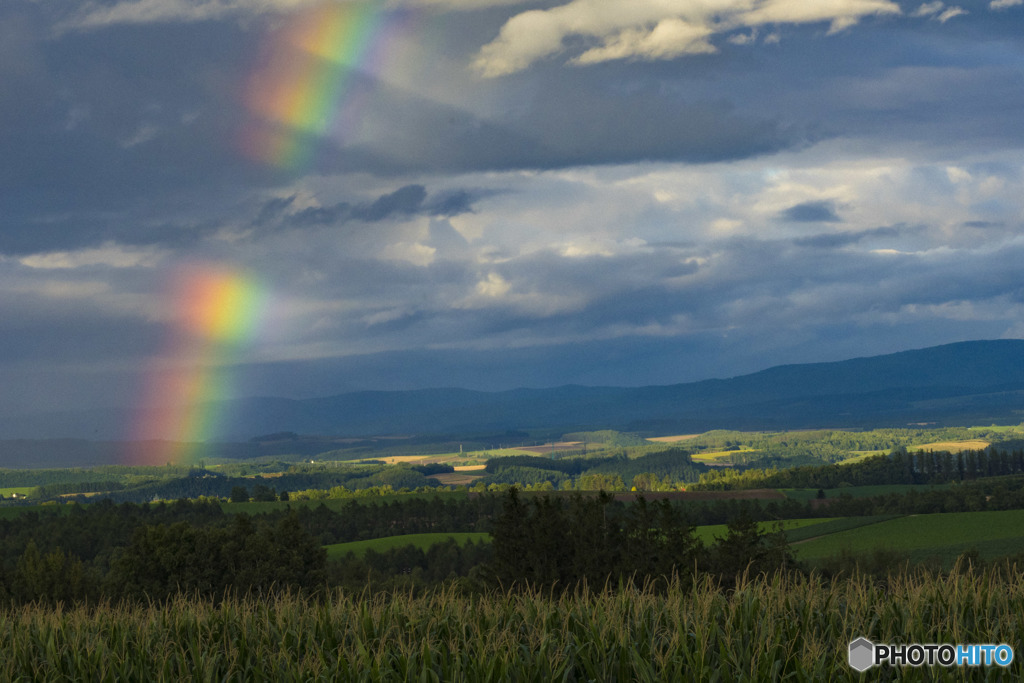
(63,290)
(455,4)
(94,15)
(957,174)
(743,38)
(1003,4)
(840,13)
(653,29)
(928,9)
(144,133)
(414,253)
(950,13)
(495,286)
(937,10)
(111,256)
(670,38)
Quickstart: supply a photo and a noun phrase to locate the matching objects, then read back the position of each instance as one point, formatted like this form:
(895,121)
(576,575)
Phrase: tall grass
(765,629)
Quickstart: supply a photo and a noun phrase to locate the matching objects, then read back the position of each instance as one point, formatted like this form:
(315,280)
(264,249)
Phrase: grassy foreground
(766,629)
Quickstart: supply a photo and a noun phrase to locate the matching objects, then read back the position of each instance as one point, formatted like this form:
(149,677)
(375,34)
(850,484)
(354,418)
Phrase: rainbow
(216,311)
(297,93)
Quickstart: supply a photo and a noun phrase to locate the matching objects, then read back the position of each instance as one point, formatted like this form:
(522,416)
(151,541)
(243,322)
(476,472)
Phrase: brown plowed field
(456,478)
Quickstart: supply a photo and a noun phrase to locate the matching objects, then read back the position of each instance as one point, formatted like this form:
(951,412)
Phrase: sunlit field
(765,629)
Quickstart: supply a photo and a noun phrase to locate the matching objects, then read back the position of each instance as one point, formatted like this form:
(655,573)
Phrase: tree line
(114,552)
(561,542)
(899,467)
(663,469)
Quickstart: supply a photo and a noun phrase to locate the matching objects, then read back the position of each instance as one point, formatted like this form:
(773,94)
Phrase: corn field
(776,628)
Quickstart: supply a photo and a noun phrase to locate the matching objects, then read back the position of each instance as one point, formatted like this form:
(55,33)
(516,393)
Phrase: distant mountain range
(976,382)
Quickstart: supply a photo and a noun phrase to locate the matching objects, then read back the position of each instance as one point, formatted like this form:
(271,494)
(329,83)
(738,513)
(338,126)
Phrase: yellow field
(952,446)
(468,459)
(673,439)
(861,455)
(714,456)
(418,459)
(474,457)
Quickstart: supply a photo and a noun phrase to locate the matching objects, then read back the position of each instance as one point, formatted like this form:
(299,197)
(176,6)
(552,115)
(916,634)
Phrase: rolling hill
(977,382)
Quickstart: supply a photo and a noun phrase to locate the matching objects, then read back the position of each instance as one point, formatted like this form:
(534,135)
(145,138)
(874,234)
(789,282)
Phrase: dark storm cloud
(22,235)
(811,212)
(615,362)
(107,134)
(273,210)
(780,296)
(403,203)
(984,224)
(136,111)
(952,85)
(133,113)
(133,117)
(570,120)
(834,240)
(454,203)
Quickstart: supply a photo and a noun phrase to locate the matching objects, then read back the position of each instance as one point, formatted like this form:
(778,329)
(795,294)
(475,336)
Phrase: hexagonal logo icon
(862,654)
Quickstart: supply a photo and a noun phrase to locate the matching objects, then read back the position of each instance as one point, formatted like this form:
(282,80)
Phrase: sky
(292,198)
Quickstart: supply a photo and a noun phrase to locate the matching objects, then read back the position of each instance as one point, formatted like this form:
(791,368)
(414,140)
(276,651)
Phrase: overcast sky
(503,193)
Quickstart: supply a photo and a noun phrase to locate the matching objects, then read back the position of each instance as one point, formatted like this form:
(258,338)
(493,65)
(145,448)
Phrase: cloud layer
(654,29)
(512,193)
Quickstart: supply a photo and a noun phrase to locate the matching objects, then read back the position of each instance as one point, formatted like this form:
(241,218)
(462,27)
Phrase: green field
(20,490)
(1000,429)
(15,511)
(938,536)
(337,551)
(712,532)
(861,455)
(833,525)
(804,495)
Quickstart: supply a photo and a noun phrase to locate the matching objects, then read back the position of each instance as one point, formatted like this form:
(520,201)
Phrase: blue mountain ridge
(974,382)
(966,381)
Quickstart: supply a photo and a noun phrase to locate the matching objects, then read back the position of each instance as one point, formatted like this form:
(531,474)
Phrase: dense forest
(126,551)
(663,468)
(113,533)
(107,550)
(560,542)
